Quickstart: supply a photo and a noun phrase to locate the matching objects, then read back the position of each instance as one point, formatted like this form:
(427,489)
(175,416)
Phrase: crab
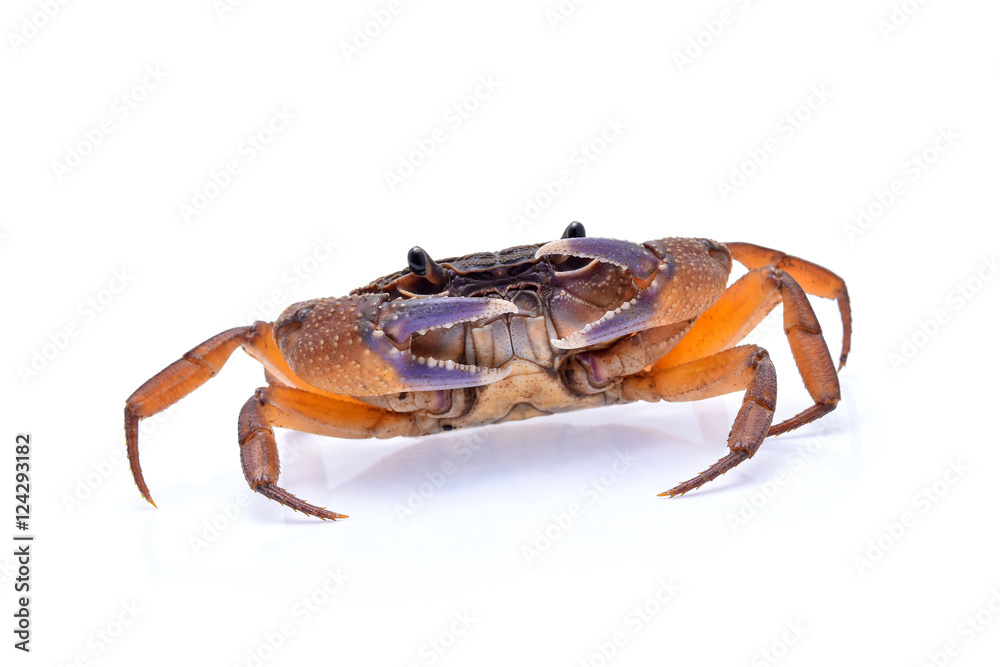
(532,330)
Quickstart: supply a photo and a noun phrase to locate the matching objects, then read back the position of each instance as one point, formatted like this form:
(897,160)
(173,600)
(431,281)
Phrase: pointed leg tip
(148,498)
(285,498)
(144,492)
(721,467)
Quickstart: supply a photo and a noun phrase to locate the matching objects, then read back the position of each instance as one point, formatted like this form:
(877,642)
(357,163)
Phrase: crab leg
(300,410)
(746,367)
(191,371)
(172,384)
(740,309)
(813,278)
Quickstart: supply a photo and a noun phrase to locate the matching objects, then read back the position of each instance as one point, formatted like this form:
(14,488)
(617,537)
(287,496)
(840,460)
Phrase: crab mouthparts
(403,318)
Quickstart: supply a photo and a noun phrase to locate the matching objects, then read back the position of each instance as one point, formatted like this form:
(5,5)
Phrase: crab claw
(360,345)
(674,280)
(641,264)
(404,317)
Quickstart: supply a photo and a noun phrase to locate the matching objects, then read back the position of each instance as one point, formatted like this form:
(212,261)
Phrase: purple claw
(632,316)
(363,344)
(648,272)
(664,295)
(427,374)
(404,317)
(632,257)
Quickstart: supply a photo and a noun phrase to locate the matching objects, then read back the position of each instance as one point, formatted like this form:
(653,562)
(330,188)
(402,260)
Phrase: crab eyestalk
(421,264)
(663,273)
(361,345)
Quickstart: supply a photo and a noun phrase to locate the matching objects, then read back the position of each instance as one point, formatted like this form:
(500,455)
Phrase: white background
(824,531)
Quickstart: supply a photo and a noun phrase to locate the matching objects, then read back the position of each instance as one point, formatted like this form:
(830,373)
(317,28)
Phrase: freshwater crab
(527,331)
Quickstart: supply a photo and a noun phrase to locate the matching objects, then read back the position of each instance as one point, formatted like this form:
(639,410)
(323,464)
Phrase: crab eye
(575,230)
(422,265)
(417,259)
(286,324)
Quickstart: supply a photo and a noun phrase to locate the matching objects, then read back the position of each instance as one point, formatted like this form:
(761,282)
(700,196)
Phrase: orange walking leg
(740,309)
(304,411)
(747,367)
